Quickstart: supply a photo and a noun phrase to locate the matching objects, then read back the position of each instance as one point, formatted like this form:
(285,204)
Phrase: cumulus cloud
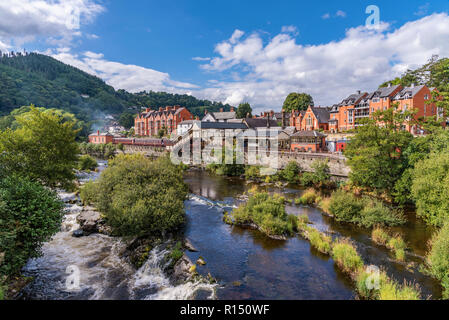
(58,21)
(362,60)
(122,76)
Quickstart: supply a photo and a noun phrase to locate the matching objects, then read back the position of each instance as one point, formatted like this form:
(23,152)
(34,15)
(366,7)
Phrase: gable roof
(260,122)
(409,91)
(224,115)
(353,99)
(322,114)
(308,133)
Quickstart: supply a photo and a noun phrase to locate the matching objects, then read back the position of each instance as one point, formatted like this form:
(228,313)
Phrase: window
(426,97)
(309,121)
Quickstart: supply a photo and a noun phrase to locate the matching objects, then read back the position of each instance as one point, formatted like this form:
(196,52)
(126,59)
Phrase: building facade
(101,138)
(314,118)
(149,123)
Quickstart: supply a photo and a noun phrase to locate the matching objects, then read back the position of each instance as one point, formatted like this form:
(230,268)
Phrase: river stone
(78,233)
(181,270)
(89,221)
(189,246)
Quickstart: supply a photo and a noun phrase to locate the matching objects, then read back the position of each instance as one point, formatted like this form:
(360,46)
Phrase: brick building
(101,137)
(308,141)
(149,123)
(314,118)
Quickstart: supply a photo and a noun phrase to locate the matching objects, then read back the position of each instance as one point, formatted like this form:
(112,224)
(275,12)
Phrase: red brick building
(308,141)
(312,119)
(101,138)
(149,123)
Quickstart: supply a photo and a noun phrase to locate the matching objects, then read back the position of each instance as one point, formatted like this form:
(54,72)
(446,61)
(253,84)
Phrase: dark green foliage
(291,172)
(176,253)
(29,215)
(244,111)
(126,120)
(102,151)
(346,207)
(138,196)
(42,147)
(87,163)
(268,213)
(297,101)
(320,177)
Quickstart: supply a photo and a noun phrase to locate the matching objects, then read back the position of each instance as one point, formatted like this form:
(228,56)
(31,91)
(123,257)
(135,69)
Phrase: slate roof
(223,125)
(260,123)
(224,115)
(322,114)
(353,99)
(101,134)
(408,91)
(308,133)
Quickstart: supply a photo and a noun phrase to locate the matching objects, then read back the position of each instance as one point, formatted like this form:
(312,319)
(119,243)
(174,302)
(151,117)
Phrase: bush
(380,236)
(30,215)
(267,212)
(319,241)
(291,172)
(346,257)
(397,244)
(438,258)
(309,197)
(139,196)
(364,211)
(430,188)
(86,162)
(320,177)
(176,253)
(252,172)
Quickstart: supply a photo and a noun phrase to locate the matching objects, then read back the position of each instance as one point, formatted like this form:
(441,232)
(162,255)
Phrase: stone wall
(337,163)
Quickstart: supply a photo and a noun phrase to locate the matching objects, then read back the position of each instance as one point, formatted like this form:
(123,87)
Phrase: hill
(46,82)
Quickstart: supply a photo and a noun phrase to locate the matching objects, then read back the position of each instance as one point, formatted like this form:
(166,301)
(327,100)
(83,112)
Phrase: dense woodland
(32,78)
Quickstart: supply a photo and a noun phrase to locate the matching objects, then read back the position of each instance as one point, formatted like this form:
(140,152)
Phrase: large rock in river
(89,221)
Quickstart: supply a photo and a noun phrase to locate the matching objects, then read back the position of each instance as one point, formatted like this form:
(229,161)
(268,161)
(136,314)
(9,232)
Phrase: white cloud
(57,21)
(340,13)
(290,29)
(326,16)
(123,76)
(200,59)
(331,71)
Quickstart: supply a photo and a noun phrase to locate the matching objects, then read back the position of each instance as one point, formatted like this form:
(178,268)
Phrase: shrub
(320,177)
(438,258)
(86,162)
(252,172)
(366,212)
(291,172)
(308,197)
(430,188)
(380,236)
(30,215)
(176,253)
(319,241)
(139,196)
(346,257)
(397,244)
(267,212)
(324,205)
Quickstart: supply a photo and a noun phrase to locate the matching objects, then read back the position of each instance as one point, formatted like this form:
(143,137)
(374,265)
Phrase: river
(247,264)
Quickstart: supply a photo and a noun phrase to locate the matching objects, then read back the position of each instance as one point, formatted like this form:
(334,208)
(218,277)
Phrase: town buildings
(149,123)
(101,137)
(314,118)
(222,116)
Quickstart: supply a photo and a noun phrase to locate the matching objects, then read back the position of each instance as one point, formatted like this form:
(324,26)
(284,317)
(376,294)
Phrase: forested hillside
(46,82)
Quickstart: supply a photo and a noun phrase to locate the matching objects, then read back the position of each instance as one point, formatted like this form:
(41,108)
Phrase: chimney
(197,118)
(283,119)
(271,113)
(359,92)
(232,109)
(98,132)
(389,84)
(221,109)
(167,108)
(205,112)
(160,109)
(147,109)
(413,85)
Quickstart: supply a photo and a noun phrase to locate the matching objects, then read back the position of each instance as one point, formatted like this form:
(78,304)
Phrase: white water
(103,273)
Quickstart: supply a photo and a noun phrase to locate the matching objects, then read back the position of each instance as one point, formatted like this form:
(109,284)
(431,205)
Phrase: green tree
(320,177)
(438,258)
(376,153)
(29,215)
(291,172)
(244,111)
(126,120)
(43,148)
(138,196)
(297,101)
(430,188)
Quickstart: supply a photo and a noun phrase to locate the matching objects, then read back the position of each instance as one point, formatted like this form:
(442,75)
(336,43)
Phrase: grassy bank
(395,243)
(369,283)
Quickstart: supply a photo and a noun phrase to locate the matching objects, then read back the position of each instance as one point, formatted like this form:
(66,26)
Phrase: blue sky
(232,51)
